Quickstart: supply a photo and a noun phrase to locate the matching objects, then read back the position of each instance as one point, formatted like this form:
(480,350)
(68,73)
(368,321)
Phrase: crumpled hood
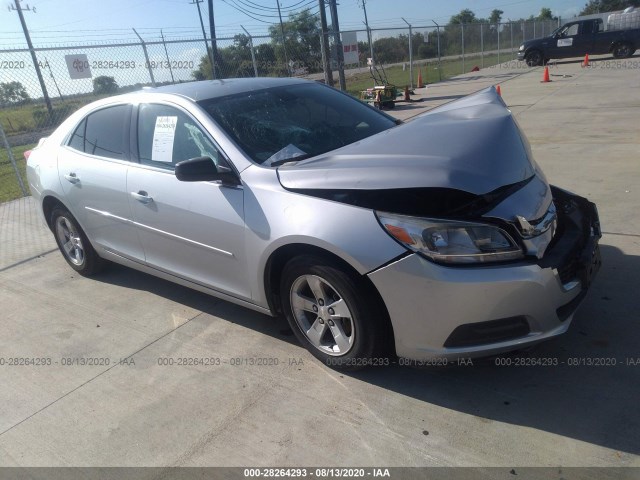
(472,144)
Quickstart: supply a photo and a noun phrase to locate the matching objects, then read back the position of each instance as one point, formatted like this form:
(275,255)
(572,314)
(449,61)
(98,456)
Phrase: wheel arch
(275,267)
(49,202)
(618,42)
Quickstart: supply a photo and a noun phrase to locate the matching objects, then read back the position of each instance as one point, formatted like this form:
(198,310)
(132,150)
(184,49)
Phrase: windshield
(295,121)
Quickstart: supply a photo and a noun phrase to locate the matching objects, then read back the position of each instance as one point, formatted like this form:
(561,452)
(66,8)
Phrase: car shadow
(129,278)
(584,396)
(583,385)
(592,58)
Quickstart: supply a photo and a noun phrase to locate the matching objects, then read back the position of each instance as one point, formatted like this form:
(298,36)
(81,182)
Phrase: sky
(64,21)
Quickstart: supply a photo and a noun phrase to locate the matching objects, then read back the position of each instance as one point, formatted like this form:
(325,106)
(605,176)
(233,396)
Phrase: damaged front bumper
(460,312)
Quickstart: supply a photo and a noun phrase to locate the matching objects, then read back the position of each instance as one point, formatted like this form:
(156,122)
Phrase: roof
(207,89)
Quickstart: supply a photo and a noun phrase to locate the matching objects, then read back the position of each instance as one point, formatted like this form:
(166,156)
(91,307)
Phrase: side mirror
(203,169)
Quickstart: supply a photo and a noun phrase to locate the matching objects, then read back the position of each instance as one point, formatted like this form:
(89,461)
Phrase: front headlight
(447,241)
(521,48)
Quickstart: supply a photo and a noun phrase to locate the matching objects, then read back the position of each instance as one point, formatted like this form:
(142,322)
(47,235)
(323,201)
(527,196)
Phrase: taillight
(27,153)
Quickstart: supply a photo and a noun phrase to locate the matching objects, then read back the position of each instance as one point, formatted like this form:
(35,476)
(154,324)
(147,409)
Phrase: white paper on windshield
(163,136)
(565,42)
(290,151)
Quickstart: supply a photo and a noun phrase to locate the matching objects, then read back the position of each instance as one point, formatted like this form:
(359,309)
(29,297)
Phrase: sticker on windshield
(290,151)
(565,42)
(163,137)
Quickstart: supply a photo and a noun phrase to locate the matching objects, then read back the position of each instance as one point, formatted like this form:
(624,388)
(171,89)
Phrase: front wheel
(534,58)
(74,244)
(332,313)
(622,50)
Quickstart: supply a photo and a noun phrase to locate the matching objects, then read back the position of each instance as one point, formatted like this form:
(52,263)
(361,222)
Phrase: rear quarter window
(103,133)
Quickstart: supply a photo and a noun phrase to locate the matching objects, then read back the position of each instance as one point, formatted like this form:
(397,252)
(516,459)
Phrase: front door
(194,230)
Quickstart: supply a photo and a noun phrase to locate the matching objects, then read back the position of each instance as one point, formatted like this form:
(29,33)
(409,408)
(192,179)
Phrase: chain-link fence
(40,88)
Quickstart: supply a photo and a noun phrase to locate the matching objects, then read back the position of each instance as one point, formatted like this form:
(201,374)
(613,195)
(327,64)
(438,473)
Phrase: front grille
(493,331)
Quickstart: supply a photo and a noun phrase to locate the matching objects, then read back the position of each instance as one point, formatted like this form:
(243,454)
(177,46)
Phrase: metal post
(366,22)
(498,28)
(511,27)
(481,47)
(146,57)
(173,80)
(324,46)
(410,52)
(439,56)
(338,42)
(13,161)
(45,94)
(462,33)
(534,29)
(253,55)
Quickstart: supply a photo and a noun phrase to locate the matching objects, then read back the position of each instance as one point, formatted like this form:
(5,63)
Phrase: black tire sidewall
(366,320)
(92,262)
(627,49)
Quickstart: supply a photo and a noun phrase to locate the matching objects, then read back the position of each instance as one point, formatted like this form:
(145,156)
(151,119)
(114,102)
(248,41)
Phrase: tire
(622,50)
(332,313)
(534,58)
(74,244)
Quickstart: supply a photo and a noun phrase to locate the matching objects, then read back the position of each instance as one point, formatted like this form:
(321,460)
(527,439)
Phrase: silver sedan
(436,238)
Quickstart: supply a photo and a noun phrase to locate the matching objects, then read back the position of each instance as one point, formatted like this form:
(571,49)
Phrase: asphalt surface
(269,403)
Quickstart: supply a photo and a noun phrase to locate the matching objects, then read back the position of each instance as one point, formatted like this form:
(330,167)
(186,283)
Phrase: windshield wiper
(292,159)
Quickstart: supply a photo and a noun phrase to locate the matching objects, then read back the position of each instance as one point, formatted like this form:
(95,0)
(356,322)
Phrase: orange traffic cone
(585,63)
(545,76)
(498,91)
(420,84)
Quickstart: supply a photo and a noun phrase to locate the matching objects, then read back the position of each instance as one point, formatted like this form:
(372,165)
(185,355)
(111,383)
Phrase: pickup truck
(575,39)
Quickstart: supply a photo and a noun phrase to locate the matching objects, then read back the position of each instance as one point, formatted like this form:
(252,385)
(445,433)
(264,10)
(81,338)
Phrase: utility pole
(284,44)
(204,35)
(324,39)
(214,43)
(338,42)
(366,22)
(19,9)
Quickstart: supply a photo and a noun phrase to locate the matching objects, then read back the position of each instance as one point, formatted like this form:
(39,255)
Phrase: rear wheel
(332,313)
(622,50)
(73,243)
(534,58)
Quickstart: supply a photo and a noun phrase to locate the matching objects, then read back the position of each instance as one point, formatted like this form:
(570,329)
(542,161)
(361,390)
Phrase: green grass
(430,72)
(9,186)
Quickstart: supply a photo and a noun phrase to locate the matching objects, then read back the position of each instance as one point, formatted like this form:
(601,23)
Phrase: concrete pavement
(255,397)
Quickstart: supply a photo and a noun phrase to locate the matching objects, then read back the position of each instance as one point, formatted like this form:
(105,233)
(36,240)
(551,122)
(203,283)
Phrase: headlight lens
(447,241)
(521,48)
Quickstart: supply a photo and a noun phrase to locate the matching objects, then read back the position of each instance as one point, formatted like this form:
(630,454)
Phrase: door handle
(142,196)
(72,177)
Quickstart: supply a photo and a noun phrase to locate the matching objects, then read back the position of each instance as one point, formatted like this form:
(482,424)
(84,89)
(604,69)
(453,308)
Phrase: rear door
(93,170)
(194,230)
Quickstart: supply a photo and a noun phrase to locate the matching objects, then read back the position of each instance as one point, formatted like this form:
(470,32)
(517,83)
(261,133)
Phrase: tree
(302,40)
(545,14)
(465,16)
(602,6)
(13,93)
(496,16)
(104,84)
